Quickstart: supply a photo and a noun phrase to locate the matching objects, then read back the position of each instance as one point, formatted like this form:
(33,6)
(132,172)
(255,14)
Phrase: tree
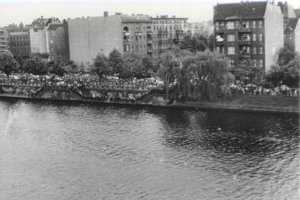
(115,61)
(132,66)
(56,68)
(247,70)
(211,42)
(35,65)
(292,72)
(20,60)
(101,65)
(197,76)
(7,63)
(287,74)
(194,43)
(149,64)
(286,55)
(169,71)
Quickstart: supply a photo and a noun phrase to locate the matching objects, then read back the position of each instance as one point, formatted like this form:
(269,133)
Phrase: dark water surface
(54,151)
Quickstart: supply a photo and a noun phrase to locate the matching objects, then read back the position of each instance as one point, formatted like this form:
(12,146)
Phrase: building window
(261,63)
(230,38)
(126,48)
(230,25)
(245,50)
(253,24)
(245,24)
(260,24)
(260,50)
(255,63)
(254,37)
(260,37)
(254,50)
(231,50)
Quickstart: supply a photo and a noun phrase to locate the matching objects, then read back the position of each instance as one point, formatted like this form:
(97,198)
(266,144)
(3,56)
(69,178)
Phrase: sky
(16,11)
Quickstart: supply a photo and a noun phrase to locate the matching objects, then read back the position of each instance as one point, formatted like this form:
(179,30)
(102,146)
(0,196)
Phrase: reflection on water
(58,151)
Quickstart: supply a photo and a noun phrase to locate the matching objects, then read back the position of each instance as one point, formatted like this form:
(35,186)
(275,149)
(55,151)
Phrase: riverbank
(248,103)
(253,103)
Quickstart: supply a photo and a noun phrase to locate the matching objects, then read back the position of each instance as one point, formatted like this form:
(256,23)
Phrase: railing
(245,30)
(244,42)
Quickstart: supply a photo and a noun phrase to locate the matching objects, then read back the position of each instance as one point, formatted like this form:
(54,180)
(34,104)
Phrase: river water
(86,152)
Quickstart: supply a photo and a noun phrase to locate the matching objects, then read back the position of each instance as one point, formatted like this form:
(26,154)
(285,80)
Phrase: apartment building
(49,39)
(92,35)
(3,40)
(249,30)
(166,33)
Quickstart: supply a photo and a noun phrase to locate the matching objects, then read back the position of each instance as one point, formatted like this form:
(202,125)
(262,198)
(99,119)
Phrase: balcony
(245,30)
(244,42)
(149,49)
(245,55)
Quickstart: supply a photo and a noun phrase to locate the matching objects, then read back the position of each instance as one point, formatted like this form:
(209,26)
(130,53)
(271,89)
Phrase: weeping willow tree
(169,72)
(197,76)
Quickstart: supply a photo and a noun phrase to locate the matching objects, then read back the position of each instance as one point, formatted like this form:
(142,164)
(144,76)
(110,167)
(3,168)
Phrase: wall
(274,38)
(90,36)
(297,36)
(56,44)
(38,41)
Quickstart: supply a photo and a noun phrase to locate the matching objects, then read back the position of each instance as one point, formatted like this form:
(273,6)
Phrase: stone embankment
(151,98)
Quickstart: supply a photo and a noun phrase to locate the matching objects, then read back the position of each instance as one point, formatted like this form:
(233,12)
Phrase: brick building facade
(166,33)
(246,31)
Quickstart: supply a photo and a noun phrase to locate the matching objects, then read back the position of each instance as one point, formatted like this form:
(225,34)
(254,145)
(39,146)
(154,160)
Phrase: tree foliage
(286,55)
(7,63)
(101,65)
(35,65)
(287,69)
(286,74)
(197,76)
(194,43)
(248,71)
(56,68)
(115,61)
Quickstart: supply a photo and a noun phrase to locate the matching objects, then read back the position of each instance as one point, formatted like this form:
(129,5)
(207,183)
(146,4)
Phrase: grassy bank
(251,102)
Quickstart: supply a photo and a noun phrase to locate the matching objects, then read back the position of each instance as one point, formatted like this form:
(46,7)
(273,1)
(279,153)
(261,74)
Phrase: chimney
(105,13)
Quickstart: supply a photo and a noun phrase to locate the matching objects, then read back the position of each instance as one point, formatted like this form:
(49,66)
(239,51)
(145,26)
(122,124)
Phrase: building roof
(41,22)
(287,10)
(54,26)
(172,18)
(135,18)
(246,10)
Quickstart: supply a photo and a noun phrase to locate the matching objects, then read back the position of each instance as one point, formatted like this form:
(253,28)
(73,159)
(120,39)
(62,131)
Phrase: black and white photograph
(149,100)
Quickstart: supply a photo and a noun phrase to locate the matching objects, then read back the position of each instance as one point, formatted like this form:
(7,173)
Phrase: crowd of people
(88,81)
(252,89)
